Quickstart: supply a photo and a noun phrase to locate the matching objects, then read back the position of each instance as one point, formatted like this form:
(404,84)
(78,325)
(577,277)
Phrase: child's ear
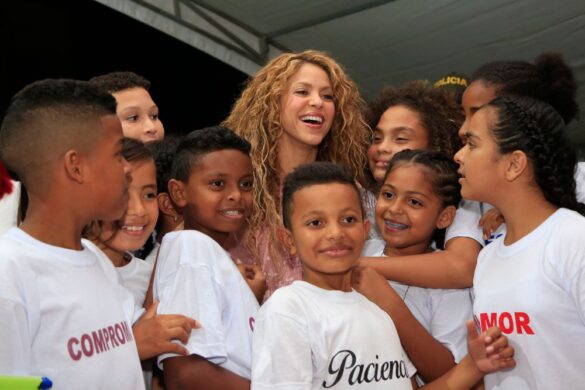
(165,205)
(177,192)
(517,161)
(72,162)
(446,217)
(367,227)
(286,238)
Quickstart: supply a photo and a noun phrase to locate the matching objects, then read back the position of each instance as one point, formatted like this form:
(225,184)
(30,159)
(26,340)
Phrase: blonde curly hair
(256,117)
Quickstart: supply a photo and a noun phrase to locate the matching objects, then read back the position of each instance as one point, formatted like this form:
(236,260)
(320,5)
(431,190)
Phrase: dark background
(82,38)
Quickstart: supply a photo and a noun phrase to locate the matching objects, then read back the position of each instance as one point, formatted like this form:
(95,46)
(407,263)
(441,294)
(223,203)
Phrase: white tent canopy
(379,42)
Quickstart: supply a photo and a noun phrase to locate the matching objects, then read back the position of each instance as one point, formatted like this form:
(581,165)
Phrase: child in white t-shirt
(62,312)
(212,186)
(119,238)
(319,332)
(416,202)
(531,282)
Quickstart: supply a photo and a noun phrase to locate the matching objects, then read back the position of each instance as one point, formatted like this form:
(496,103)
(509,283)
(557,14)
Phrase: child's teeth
(397,226)
(134,228)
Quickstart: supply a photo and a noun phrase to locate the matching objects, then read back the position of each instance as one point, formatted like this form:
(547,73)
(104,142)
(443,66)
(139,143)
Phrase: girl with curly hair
(413,116)
(299,108)
(548,79)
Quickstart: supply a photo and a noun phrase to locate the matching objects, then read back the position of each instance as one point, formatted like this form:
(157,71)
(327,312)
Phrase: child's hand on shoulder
(489,351)
(255,278)
(490,222)
(154,333)
(372,285)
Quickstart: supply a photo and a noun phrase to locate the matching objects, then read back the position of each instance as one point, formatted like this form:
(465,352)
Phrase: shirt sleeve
(190,288)
(132,310)
(566,262)
(451,309)
(18,316)
(465,223)
(282,356)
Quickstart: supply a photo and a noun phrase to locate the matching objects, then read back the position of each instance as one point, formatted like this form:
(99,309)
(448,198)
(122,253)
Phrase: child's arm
(429,356)
(154,333)
(488,352)
(490,222)
(195,372)
(450,268)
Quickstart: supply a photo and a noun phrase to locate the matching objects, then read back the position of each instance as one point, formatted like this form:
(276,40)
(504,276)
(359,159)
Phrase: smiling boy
(63,313)
(319,332)
(195,276)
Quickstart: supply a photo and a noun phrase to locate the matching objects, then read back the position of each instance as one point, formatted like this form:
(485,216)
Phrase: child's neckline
(429,249)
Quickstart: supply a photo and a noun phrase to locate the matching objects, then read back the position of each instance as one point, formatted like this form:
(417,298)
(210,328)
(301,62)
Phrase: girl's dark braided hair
(538,130)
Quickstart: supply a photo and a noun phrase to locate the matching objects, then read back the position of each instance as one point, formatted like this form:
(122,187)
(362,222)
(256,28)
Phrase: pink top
(291,268)
(291,265)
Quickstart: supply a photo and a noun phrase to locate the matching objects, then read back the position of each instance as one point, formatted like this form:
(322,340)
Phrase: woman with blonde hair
(299,108)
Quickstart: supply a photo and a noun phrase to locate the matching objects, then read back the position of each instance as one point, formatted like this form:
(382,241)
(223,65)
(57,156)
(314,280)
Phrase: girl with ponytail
(531,281)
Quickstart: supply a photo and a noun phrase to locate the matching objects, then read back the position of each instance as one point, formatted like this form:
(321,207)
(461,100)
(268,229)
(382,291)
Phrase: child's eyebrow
(350,208)
(137,108)
(398,128)
(390,186)
(418,193)
(403,128)
(216,174)
(469,134)
(314,213)
(149,186)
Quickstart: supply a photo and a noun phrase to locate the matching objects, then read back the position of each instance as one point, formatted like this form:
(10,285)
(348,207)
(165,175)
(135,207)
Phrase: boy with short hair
(211,183)
(63,313)
(135,109)
(318,332)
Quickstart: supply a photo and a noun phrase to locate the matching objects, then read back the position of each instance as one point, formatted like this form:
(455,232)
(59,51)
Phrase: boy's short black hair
(47,118)
(201,142)
(164,152)
(316,173)
(119,81)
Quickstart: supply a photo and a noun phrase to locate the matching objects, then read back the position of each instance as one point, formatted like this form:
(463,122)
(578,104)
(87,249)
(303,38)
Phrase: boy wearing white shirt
(319,332)
(211,185)
(63,313)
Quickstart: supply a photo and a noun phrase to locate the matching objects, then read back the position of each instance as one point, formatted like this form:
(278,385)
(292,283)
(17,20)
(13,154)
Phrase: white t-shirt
(534,290)
(151,257)
(469,212)
(135,276)
(63,315)
(9,208)
(309,338)
(196,277)
(442,312)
